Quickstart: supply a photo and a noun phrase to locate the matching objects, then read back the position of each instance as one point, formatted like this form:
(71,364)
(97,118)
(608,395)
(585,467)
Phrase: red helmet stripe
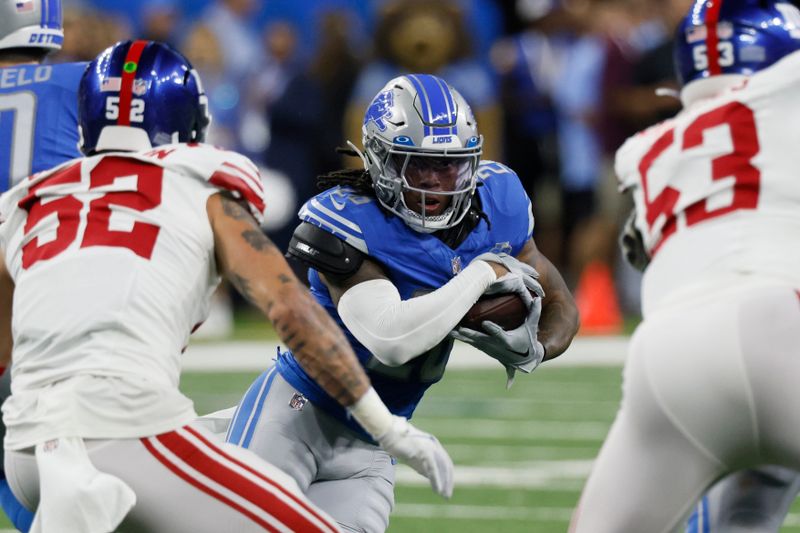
(126,86)
(712,38)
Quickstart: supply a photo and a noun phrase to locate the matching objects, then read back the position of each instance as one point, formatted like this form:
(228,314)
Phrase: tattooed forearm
(257,240)
(322,350)
(242,285)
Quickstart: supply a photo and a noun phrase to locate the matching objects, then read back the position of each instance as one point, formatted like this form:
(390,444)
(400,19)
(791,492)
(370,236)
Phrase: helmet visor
(433,185)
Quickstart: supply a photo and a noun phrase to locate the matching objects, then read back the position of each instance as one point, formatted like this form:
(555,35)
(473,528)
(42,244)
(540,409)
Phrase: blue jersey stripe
(318,213)
(247,414)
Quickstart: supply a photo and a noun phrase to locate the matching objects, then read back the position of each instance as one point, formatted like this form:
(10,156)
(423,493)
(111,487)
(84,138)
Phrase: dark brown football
(506,310)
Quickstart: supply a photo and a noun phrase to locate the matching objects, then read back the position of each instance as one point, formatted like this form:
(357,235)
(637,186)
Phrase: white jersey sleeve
(113,262)
(716,189)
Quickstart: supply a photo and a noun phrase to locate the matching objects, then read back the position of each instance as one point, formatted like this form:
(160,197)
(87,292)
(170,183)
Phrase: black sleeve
(324,252)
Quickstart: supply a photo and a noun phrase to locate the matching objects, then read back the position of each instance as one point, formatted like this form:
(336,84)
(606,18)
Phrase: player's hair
(357,179)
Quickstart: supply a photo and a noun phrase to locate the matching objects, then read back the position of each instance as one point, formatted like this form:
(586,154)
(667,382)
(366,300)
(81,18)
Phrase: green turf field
(521,455)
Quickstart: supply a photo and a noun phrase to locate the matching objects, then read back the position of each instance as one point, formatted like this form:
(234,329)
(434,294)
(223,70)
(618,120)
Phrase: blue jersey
(38,118)
(416,263)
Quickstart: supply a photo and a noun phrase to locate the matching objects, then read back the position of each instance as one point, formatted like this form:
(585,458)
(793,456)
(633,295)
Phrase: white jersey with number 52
(717,188)
(113,261)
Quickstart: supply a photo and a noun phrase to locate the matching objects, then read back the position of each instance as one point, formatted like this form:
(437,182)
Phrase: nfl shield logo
(298,401)
(139,87)
(456,264)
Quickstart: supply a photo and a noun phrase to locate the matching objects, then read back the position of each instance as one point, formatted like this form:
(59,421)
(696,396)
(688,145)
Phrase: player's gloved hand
(516,349)
(422,452)
(514,265)
(632,244)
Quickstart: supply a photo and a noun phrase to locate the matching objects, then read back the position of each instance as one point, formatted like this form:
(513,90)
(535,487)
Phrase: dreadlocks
(357,179)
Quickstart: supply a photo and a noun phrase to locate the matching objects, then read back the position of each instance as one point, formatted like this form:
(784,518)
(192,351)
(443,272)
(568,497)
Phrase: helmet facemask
(407,181)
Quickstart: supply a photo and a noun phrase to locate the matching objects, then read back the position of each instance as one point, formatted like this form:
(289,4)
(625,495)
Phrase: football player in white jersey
(109,262)
(711,379)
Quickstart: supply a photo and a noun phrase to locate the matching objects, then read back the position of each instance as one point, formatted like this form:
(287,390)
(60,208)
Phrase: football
(506,310)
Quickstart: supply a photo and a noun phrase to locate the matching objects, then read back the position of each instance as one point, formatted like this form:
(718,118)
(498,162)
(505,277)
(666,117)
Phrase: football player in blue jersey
(38,124)
(399,251)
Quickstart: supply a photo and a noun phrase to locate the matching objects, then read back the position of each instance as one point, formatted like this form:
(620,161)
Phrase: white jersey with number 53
(717,188)
(113,261)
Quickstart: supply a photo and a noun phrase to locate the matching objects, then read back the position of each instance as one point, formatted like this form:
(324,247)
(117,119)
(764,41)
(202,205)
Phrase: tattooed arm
(257,269)
(559,319)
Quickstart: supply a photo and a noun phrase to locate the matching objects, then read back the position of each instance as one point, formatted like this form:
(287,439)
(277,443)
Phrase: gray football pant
(752,501)
(350,479)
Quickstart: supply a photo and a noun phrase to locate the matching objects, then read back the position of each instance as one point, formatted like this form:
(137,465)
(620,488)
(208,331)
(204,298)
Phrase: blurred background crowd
(556,86)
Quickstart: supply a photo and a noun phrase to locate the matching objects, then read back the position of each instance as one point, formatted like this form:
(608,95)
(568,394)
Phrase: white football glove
(422,452)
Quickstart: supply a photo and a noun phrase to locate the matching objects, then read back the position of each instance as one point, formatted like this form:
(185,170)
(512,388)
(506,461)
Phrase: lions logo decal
(379,109)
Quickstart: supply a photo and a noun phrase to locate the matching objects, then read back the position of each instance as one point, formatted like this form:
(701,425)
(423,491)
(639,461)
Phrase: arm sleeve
(396,330)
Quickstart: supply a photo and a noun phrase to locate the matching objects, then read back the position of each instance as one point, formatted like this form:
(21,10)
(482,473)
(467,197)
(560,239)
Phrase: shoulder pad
(323,251)
(226,170)
(339,211)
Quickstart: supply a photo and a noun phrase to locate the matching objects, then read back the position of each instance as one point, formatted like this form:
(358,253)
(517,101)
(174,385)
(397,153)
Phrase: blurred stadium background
(556,86)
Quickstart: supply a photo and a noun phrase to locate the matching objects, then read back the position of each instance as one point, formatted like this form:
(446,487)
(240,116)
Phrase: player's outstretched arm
(258,270)
(559,320)
(260,273)
(6,300)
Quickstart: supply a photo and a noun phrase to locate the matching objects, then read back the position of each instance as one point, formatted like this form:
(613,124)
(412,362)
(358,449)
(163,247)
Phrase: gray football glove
(632,244)
(422,452)
(514,265)
(519,348)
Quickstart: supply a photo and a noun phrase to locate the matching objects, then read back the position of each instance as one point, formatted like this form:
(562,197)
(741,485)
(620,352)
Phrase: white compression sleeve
(396,330)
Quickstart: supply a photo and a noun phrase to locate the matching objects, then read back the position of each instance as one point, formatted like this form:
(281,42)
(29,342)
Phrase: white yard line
(482,512)
(256,355)
(551,475)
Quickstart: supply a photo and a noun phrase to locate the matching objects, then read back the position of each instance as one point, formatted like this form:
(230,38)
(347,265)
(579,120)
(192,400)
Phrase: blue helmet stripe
(55,14)
(423,102)
(43,8)
(439,108)
(451,105)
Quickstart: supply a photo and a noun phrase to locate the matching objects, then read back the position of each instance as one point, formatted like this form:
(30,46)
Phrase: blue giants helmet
(140,94)
(420,121)
(734,37)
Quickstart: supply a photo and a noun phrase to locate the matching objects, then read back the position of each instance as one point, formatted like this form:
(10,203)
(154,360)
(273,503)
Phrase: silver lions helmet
(31,24)
(422,150)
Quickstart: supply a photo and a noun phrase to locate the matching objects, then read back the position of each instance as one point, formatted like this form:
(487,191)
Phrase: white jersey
(717,190)
(113,261)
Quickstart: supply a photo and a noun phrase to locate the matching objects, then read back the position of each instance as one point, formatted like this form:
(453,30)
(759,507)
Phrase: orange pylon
(596,298)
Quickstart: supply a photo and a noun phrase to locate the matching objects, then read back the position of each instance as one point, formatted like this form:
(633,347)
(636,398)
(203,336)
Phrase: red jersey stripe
(238,185)
(249,175)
